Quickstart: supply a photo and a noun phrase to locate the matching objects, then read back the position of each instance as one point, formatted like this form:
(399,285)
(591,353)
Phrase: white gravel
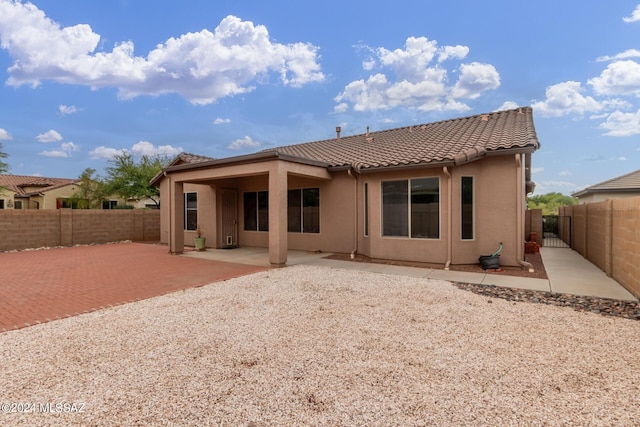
(316,346)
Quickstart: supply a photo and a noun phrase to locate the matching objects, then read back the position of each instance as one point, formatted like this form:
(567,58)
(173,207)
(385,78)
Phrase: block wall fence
(23,229)
(608,234)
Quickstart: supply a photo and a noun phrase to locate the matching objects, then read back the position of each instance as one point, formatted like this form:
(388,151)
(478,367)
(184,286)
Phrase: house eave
(261,156)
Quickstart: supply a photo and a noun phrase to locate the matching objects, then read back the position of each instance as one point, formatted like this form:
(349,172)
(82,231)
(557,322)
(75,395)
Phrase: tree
(91,191)
(550,202)
(4,167)
(132,180)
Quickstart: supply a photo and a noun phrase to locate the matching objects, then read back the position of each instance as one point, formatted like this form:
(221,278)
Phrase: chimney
(338,130)
(367,130)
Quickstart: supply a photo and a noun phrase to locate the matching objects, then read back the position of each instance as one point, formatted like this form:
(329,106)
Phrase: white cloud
(507,105)
(619,78)
(242,143)
(622,158)
(202,67)
(219,121)
(537,170)
(145,148)
(475,78)
(565,173)
(65,150)
(566,98)
(629,53)
(49,136)
(635,15)
(106,152)
(409,78)
(54,153)
(69,146)
(65,110)
(456,52)
(622,124)
(4,135)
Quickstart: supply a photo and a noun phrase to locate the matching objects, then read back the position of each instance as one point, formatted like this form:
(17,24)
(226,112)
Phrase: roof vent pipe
(338,130)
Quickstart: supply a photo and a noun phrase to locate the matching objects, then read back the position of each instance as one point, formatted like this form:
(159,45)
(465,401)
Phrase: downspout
(445,170)
(355,215)
(519,215)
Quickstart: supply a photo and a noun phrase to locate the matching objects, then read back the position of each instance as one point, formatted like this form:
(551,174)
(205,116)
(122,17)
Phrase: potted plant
(199,241)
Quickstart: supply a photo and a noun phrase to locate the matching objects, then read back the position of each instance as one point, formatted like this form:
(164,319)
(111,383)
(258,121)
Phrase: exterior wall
(534,225)
(495,215)
(608,235)
(46,201)
(601,197)
(31,228)
(48,198)
(498,210)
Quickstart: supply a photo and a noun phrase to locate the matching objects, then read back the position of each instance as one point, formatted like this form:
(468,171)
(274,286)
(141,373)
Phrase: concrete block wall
(625,247)
(608,235)
(22,229)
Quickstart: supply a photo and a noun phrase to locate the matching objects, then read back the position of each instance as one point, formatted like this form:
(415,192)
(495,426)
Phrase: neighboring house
(35,192)
(616,188)
(444,192)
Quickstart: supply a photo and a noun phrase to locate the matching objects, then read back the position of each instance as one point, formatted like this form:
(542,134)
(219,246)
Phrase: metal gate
(557,232)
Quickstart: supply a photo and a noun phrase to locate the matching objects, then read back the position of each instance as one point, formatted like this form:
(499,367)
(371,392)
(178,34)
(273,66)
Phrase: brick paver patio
(40,286)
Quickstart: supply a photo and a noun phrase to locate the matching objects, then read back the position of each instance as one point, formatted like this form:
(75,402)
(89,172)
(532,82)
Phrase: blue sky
(86,80)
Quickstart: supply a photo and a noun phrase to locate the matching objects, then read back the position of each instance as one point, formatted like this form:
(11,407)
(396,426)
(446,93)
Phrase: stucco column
(278,215)
(176,218)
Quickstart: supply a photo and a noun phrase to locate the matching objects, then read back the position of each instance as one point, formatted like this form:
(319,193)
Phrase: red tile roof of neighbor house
(456,140)
(628,182)
(19,183)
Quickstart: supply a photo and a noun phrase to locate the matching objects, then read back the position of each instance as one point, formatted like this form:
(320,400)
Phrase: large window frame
(256,210)
(408,207)
(190,211)
(467,208)
(303,210)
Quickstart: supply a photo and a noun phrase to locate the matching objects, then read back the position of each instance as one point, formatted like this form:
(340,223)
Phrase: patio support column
(278,215)
(176,218)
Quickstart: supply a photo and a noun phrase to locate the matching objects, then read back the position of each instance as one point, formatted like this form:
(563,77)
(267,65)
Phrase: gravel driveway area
(316,346)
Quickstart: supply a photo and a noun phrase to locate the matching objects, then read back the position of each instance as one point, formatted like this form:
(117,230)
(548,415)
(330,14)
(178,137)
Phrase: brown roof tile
(627,182)
(456,140)
(18,183)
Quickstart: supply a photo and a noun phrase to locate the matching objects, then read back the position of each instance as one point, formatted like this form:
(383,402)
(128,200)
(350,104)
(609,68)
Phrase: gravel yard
(314,346)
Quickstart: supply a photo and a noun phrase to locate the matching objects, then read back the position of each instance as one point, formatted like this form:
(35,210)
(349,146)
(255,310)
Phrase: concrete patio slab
(570,273)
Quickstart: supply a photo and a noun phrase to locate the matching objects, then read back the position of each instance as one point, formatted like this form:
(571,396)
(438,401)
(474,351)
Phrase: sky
(86,80)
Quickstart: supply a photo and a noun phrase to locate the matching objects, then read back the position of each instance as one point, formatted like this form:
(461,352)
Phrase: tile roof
(628,182)
(456,140)
(20,183)
(183,158)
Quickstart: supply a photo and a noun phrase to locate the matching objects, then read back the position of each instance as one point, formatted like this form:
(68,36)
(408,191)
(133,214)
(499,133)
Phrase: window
(366,209)
(303,210)
(190,211)
(256,211)
(109,204)
(1,203)
(467,207)
(411,208)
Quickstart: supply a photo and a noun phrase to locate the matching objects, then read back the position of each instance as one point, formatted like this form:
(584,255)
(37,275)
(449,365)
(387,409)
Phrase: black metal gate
(557,232)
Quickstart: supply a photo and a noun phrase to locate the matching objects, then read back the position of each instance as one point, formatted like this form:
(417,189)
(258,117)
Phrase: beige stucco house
(627,185)
(35,192)
(444,192)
